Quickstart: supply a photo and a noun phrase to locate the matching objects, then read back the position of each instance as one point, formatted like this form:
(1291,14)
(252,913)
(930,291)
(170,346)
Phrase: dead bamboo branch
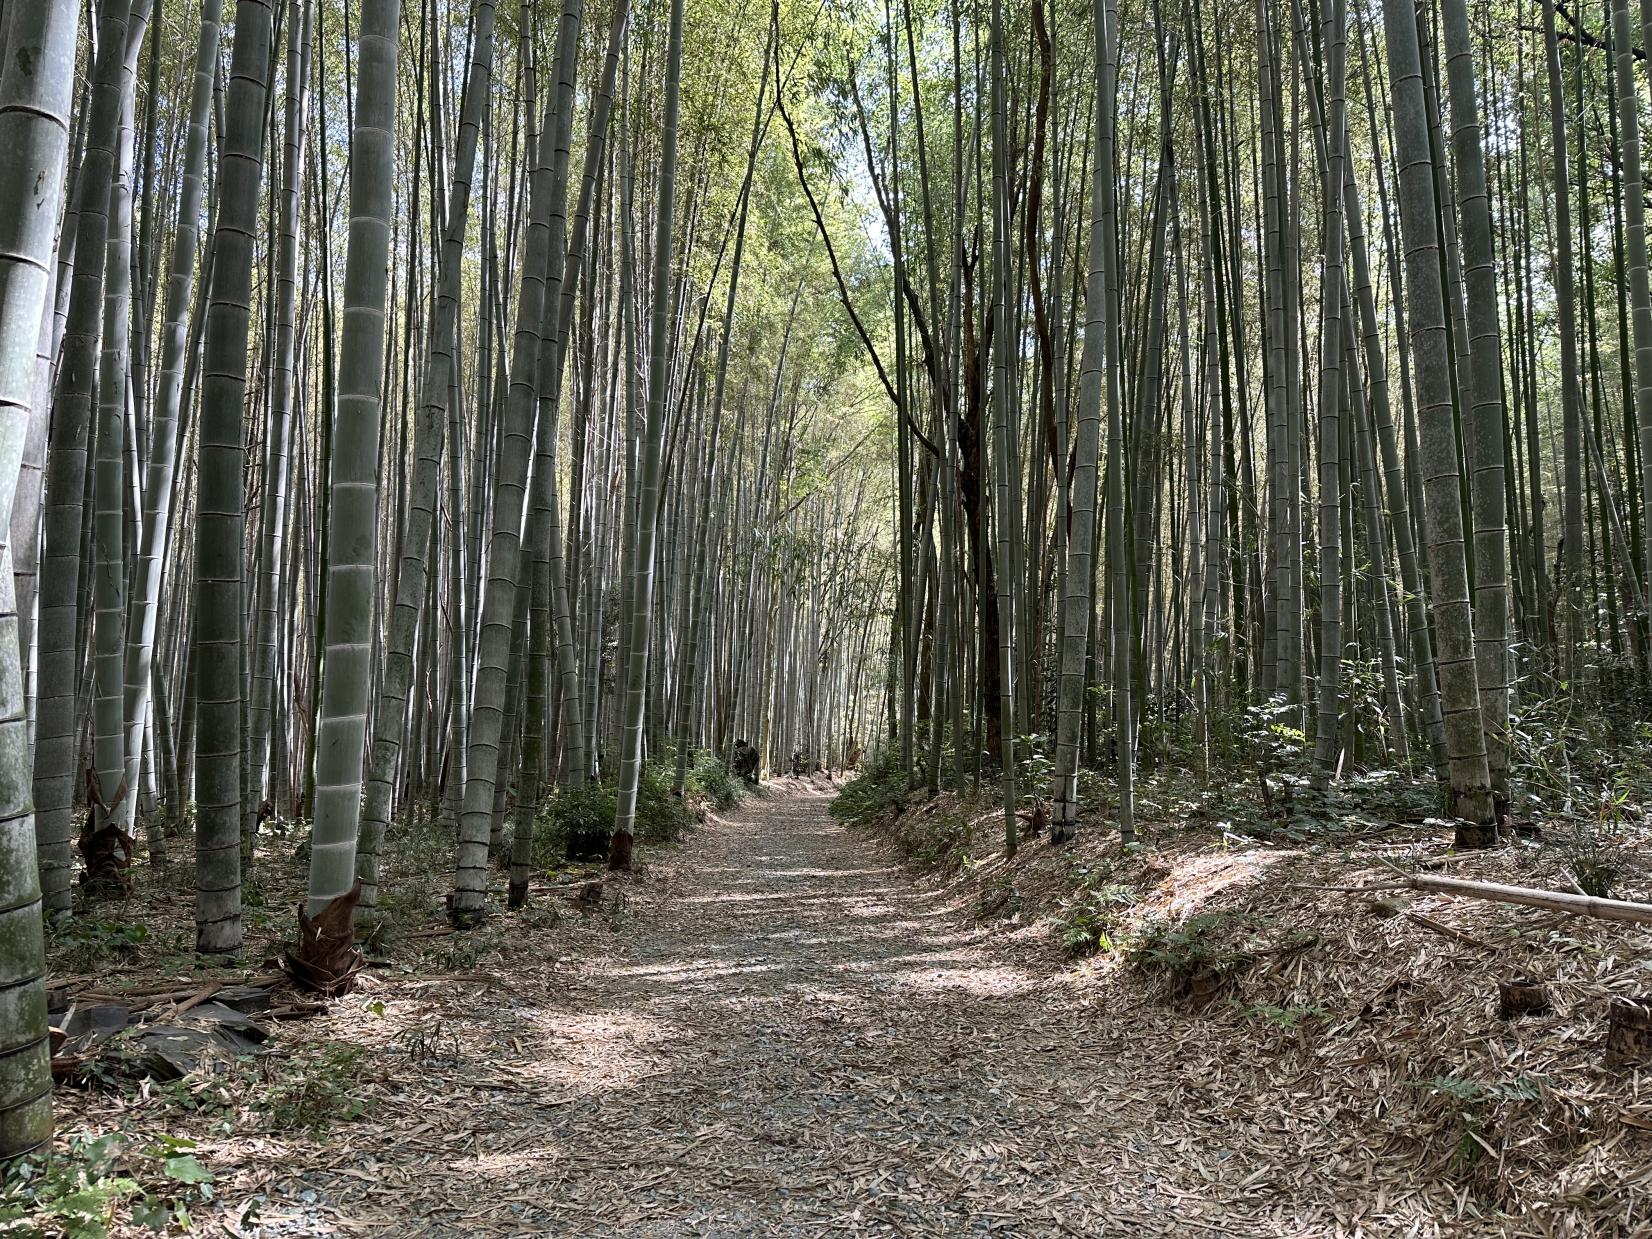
(1531,897)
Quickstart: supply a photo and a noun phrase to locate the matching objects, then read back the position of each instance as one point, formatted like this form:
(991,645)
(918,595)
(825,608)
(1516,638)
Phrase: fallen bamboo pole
(1531,897)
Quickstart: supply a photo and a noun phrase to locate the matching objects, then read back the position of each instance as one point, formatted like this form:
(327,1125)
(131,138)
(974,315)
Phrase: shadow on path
(786,1038)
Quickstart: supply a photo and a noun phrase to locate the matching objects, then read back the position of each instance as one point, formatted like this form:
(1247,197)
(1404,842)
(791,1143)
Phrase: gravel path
(786,1037)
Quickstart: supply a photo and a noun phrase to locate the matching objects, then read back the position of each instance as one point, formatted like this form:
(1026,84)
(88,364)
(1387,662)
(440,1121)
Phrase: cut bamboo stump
(1629,1031)
(1522,996)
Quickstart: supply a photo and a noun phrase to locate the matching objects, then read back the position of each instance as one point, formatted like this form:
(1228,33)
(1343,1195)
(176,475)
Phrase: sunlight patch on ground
(976,980)
(1196,879)
(510,1167)
(693,970)
(962,954)
(596,1052)
(832,874)
(761,898)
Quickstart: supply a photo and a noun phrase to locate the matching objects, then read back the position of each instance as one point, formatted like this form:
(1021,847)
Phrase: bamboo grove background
(435,407)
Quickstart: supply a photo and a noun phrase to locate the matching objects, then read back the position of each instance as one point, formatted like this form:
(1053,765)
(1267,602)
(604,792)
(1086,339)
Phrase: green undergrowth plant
(715,781)
(308,1090)
(661,816)
(1472,1109)
(1200,956)
(588,813)
(877,794)
(95,1181)
(1000,896)
(1292,1015)
(418,871)
(1090,923)
(933,839)
(313,1090)
(1594,864)
(1572,750)
(84,944)
(572,813)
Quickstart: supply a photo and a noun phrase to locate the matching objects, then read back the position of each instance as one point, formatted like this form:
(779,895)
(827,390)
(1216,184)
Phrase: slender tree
(36,87)
(1078,601)
(412,580)
(221,503)
(144,610)
(547,191)
(1335,42)
(640,601)
(1471,791)
(352,511)
(56,748)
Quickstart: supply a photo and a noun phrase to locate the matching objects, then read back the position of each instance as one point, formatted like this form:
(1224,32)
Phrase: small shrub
(878,793)
(1192,946)
(1001,897)
(1292,1016)
(574,823)
(1090,921)
(661,816)
(1197,955)
(934,839)
(1470,1107)
(317,1091)
(79,1192)
(76,1193)
(1594,864)
(715,781)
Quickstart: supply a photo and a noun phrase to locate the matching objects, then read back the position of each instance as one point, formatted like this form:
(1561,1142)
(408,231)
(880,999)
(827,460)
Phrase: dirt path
(785,1038)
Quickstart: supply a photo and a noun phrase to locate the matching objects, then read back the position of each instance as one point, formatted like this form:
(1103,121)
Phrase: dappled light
(670,618)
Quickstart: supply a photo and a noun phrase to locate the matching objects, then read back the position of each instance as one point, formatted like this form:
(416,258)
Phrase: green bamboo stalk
(1471,791)
(36,88)
(220,490)
(352,513)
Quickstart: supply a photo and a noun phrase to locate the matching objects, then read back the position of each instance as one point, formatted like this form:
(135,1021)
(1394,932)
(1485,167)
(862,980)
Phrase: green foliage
(460,952)
(1460,1088)
(1469,1103)
(877,794)
(1543,738)
(1595,865)
(418,872)
(713,780)
(1292,1016)
(1000,897)
(78,1192)
(588,811)
(1037,768)
(1363,695)
(1566,753)
(1272,739)
(661,816)
(318,1090)
(1200,944)
(1089,924)
(569,813)
(82,944)
(932,840)
(1096,790)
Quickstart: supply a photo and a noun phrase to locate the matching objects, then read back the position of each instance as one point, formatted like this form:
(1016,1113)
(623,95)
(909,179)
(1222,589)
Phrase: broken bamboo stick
(1531,897)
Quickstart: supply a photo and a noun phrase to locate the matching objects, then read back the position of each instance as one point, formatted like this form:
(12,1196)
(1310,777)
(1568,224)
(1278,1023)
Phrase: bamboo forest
(730,618)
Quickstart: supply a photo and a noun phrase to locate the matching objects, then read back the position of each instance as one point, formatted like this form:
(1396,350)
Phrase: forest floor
(776,1029)
(1336,1061)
